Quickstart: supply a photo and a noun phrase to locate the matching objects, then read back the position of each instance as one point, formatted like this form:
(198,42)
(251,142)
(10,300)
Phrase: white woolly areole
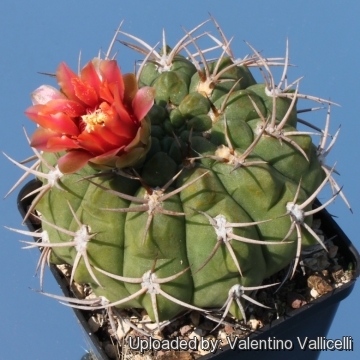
(206,87)
(104,301)
(272,92)
(81,238)
(223,151)
(236,291)
(45,237)
(221,230)
(153,200)
(148,282)
(54,176)
(295,212)
(164,66)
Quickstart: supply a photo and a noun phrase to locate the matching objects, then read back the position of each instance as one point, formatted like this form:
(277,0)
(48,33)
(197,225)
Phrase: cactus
(182,186)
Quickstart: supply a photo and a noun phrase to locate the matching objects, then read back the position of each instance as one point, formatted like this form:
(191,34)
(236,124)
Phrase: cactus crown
(182,186)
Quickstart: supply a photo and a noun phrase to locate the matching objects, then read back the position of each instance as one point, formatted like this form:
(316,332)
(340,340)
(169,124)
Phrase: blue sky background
(36,35)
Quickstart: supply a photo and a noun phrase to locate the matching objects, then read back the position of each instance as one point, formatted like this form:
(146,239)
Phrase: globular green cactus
(183,186)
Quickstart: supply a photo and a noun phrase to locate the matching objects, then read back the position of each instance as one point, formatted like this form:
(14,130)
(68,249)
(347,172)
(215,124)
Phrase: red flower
(98,117)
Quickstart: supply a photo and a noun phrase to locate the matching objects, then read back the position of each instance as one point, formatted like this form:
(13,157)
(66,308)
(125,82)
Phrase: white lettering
(193,344)
(232,343)
(330,345)
(215,345)
(302,345)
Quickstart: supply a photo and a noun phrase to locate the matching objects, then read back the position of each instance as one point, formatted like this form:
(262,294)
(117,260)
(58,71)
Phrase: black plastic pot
(312,320)
(23,205)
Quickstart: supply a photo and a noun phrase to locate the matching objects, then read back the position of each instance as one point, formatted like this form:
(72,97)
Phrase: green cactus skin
(213,161)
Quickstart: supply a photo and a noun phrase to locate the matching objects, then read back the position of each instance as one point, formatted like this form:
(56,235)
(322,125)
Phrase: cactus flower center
(98,117)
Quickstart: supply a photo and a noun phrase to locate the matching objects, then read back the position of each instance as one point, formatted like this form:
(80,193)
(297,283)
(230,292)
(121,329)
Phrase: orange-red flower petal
(45,93)
(59,122)
(51,141)
(143,101)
